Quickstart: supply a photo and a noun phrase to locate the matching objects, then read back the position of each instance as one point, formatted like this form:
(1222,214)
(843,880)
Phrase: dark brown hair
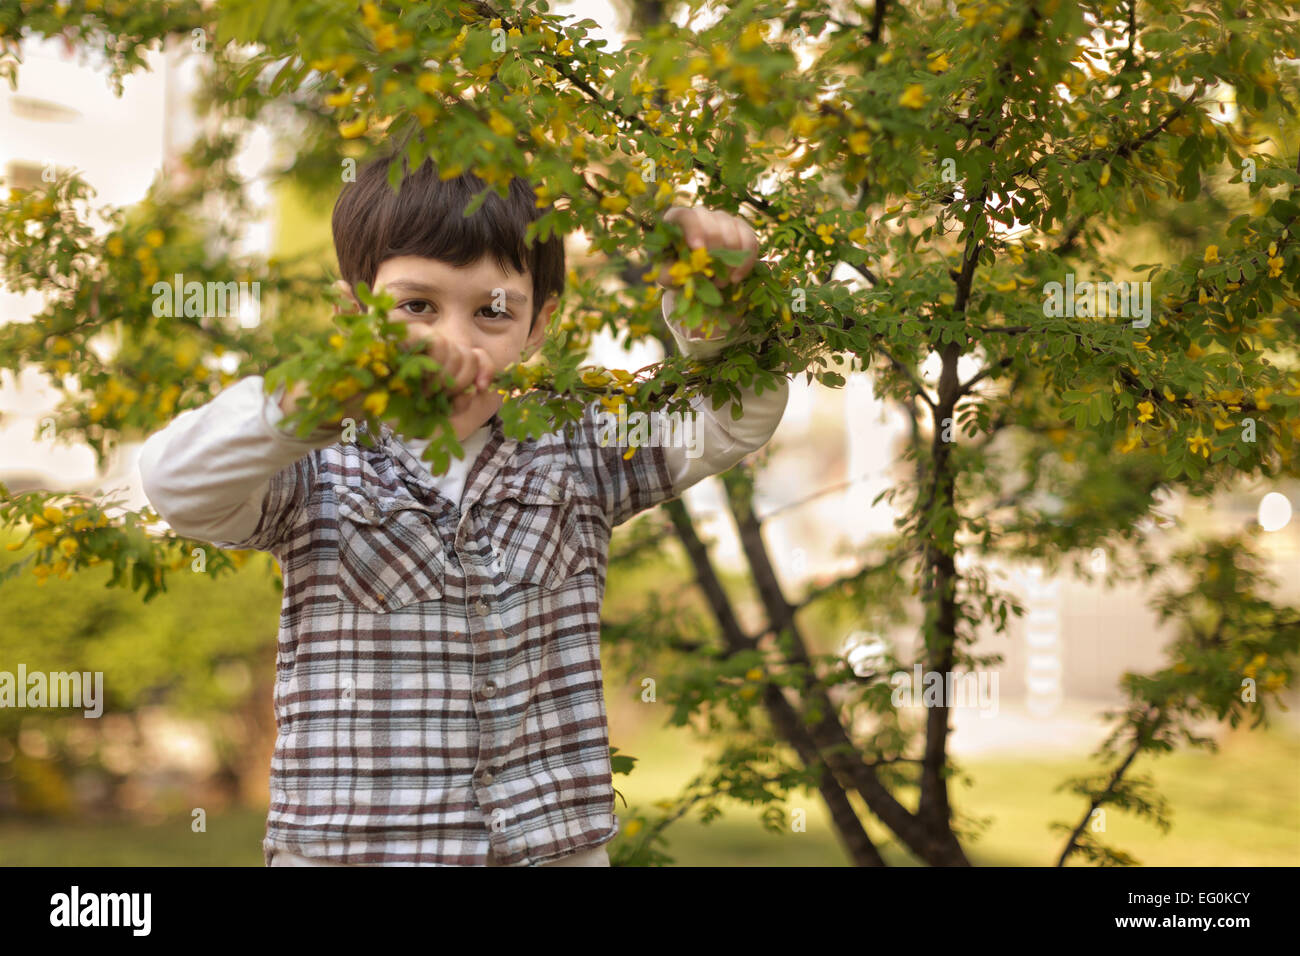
(425,217)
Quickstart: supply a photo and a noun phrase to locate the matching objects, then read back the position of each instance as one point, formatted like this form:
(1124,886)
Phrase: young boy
(438,696)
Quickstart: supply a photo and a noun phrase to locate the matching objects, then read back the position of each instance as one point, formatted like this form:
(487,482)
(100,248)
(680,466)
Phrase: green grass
(1235,808)
(232,839)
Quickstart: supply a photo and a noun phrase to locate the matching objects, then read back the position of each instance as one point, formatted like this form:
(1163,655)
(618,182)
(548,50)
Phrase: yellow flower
(679,272)
(386,37)
(430,83)
(1275,267)
(614,204)
(154,237)
(354,129)
(341,98)
(752,36)
(1211,253)
(68,547)
(938,63)
(633,184)
(801,124)
(375,403)
(1145,411)
(52,513)
(187,353)
(754,673)
(1199,444)
(579,148)
(913,97)
(500,125)
(633,828)
(114,246)
(345,389)
(700,260)
(859,142)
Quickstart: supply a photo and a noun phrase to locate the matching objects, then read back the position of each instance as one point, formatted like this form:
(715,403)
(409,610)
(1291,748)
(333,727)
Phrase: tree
(929,180)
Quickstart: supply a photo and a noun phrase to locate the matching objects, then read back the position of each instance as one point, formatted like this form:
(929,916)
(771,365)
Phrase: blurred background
(191,673)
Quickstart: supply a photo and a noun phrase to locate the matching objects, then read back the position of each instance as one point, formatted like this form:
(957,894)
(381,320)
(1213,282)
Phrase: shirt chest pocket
(541,532)
(390,553)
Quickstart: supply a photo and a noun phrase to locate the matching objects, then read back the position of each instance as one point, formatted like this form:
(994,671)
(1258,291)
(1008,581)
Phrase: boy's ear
(538,333)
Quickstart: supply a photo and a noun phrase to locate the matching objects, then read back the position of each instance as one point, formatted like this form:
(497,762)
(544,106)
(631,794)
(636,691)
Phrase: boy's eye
(411,307)
(495,313)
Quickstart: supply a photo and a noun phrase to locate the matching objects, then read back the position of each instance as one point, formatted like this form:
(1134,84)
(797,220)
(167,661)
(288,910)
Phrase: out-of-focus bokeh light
(1274,511)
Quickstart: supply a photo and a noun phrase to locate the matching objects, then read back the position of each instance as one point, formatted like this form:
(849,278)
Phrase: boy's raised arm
(226,473)
(707,443)
(719,441)
(711,444)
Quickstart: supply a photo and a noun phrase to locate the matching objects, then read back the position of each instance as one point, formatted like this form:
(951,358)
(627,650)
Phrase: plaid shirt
(438,684)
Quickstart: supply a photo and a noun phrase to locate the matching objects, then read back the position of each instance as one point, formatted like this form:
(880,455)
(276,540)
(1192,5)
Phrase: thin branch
(877,22)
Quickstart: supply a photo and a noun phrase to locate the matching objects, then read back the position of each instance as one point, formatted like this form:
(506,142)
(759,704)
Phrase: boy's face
(480,306)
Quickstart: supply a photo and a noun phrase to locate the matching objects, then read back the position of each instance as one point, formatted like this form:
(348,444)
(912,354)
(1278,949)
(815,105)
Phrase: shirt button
(489,689)
(553,493)
(369,512)
(480,606)
(486,777)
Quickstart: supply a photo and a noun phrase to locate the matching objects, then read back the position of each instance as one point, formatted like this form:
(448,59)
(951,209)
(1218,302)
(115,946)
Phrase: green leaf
(708,293)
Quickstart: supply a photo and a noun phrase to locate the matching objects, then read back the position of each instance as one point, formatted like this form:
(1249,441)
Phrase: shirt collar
(484,468)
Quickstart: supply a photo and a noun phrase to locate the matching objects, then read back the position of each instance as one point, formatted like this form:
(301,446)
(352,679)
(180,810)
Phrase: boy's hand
(712,229)
(465,371)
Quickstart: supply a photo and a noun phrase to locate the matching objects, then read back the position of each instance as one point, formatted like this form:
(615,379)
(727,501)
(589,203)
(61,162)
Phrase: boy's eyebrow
(413,287)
